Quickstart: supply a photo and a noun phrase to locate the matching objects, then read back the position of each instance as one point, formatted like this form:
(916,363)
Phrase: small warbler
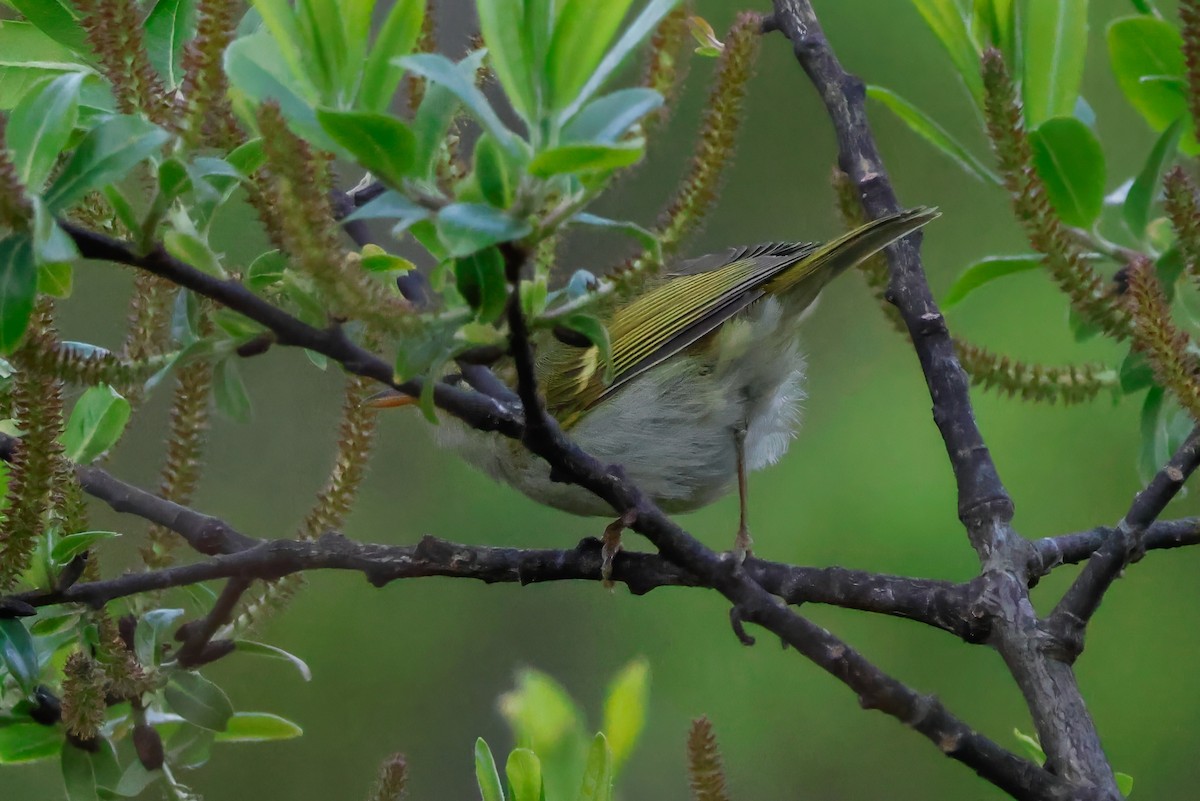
(706,380)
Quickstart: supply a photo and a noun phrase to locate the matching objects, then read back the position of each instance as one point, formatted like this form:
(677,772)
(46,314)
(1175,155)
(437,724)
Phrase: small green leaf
(258,727)
(79,778)
(443,71)
(380,143)
(1144,188)
(18,288)
(605,120)
(391,205)
(284,28)
(1135,373)
(986,271)
(51,244)
(397,36)
(190,248)
(104,156)
(644,236)
(1054,45)
(18,654)
(55,279)
(924,126)
(584,158)
(189,746)
(486,775)
(437,109)
(168,26)
(946,21)
(524,773)
(1152,425)
(271,652)
(625,710)
(96,423)
(597,334)
(467,227)
(492,173)
(504,25)
(153,629)
(229,391)
(1124,783)
(1144,47)
(28,742)
(72,545)
(583,31)
(135,779)
(198,701)
(40,125)
(266,270)
(377,260)
(540,711)
(480,279)
(1070,163)
(598,774)
(1032,747)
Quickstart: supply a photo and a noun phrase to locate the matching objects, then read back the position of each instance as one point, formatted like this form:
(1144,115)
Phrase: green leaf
(229,391)
(925,127)
(382,144)
(266,270)
(480,279)
(79,778)
(28,742)
(271,652)
(18,288)
(644,236)
(55,18)
(1124,783)
(467,227)
(1136,373)
(256,69)
(1069,161)
(40,125)
(258,727)
(606,119)
(625,710)
(583,31)
(51,244)
(1054,44)
(96,423)
(993,23)
(1032,747)
(198,701)
(496,181)
(637,31)
(325,46)
(135,779)
(391,205)
(598,774)
(18,654)
(284,27)
(1152,425)
(1144,188)
(169,25)
(490,788)
(597,334)
(946,21)
(1143,47)
(377,260)
(584,158)
(985,271)
(153,629)
(192,249)
(72,545)
(104,156)
(443,71)
(504,24)
(189,746)
(397,36)
(55,279)
(436,111)
(524,773)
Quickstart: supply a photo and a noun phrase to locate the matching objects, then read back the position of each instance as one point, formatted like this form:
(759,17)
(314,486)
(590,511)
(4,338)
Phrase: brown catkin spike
(83,692)
(300,190)
(207,115)
(188,432)
(15,208)
(74,366)
(706,774)
(426,43)
(1179,201)
(1064,260)
(149,316)
(666,62)
(37,407)
(1073,383)
(1189,17)
(1168,349)
(114,30)
(392,783)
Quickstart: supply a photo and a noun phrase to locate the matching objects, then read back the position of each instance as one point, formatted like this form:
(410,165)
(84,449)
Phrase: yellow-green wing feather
(697,299)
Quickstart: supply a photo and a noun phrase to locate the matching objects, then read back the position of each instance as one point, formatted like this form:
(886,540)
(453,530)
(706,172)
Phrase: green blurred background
(417,666)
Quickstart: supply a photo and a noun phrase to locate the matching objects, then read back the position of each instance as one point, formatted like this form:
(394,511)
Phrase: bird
(705,386)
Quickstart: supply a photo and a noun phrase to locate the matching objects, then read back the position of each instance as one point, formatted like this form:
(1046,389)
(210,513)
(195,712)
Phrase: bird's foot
(611,545)
(741,544)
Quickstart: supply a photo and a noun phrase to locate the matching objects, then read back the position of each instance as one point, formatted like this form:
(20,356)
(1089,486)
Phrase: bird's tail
(848,250)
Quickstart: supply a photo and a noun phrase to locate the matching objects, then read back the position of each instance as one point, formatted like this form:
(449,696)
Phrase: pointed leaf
(258,727)
(524,773)
(928,129)
(380,143)
(606,119)
(18,654)
(397,37)
(72,545)
(40,125)
(79,778)
(28,742)
(486,775)
(597,775)
(597,334)
(625,710)
(986,271)
(96,423)
(583,31)
(467,227)
(18,288)
(1069,161)
(229,391)
(57,19)
(1124,783)
(946,21)
(169,25)
(271,652)
(135,779)
(105,155)
(443,71)
(198,701)
(1145,47)
(480,279)
(503,24)
(584,158)
(1054,45)
(1144,189)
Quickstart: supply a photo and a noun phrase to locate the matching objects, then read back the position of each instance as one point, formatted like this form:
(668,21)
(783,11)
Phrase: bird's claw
(742,543)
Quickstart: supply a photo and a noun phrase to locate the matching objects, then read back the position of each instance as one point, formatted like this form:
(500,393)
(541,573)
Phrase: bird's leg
(741,541)
(612,544)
